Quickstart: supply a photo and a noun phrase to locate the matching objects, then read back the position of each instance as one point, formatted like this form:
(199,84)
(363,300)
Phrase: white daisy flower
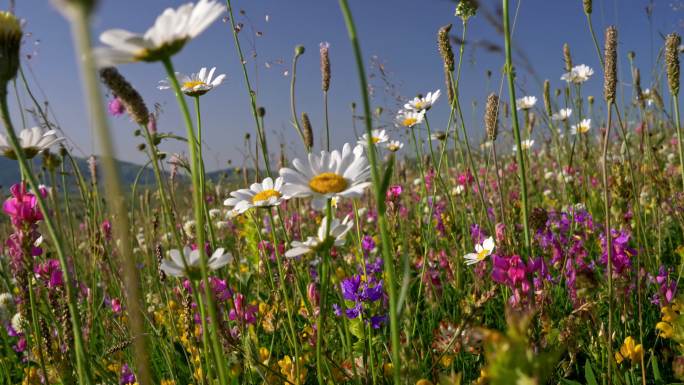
(395,145)
(264,194)
(188,263)
(482,251)
(562,115)
(525,144)
(33,140)
(408,118)
(331,174)
(196,84)
(578,74)
(582,128)
(338,232)
(172,29)
(526,102)
(377,137)
(424,103)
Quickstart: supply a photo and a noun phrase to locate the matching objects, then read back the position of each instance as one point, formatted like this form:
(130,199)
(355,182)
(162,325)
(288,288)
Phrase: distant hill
(9,172)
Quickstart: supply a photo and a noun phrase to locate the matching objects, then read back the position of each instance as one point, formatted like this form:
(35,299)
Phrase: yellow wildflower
(629,350)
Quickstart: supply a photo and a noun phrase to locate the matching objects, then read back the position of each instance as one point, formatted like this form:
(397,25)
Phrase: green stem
(680,145)
(198,207)
(516,126)
(252,94)
(609,241)
(380,199)
(81,34)
(293,103)
(202,175)
(81,367)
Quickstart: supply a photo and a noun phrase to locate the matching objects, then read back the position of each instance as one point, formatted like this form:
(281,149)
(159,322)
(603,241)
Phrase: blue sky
(400,33)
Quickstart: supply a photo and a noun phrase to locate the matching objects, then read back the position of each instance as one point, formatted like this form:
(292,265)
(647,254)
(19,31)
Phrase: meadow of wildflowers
(435,261)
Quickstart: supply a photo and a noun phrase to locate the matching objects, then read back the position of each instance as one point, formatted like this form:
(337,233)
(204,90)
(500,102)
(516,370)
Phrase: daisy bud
(567,58)
(307,130)
(445,47)
(590,99)
(325,66)
(547,97)
(631,55)
(124,91)
(672,43)
(10,41)
(261,111)
(587,6)
(491,118)
(299,50)
(610,63)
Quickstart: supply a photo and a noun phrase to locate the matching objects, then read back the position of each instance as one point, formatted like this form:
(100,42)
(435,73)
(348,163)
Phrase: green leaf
(569,382)
(589,374)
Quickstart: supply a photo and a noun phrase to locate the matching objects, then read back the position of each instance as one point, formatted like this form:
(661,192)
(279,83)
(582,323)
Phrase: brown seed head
(307,130)
(491,118)
(547,97)
(444,46)
(325,66)
(587,6)
(672,61)
(567,57)
(610,63)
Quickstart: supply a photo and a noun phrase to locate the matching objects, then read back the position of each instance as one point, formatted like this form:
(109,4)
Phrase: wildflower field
(545,249)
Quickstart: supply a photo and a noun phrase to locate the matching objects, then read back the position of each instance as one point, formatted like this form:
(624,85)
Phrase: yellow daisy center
(419,105)
(265,195)
(193,83)
(482,254)
(328,182)
(375,139)
(408,122)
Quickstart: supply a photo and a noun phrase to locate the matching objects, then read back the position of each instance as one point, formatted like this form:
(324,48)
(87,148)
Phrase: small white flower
(195,84)
(482,251)
(525,144)
(264,194)
(562,115)
(33,140)
(188,263)
(377,137)
(331,174)
(582,128)
(458,190)
(394,145)
(18,322)
(6,305)
(526,102)
(189,228)
(338,232)
(438,135)
(214,213)
(407,118)
(422,104)
(578,74)
(170,32)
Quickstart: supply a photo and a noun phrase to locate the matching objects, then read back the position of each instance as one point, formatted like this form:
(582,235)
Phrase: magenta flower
(116,107)
(22,207)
